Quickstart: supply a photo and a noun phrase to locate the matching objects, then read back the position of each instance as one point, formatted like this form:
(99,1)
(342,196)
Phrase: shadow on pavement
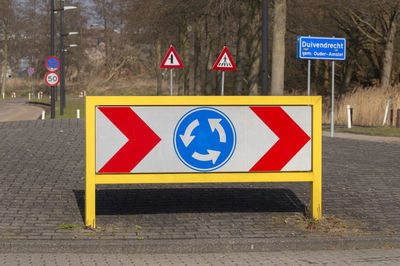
(191,200)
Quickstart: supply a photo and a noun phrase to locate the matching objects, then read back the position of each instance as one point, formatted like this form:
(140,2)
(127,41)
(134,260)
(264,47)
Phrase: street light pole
(62,77)
(52,27)
(62,82)
(53,102)
(264,41)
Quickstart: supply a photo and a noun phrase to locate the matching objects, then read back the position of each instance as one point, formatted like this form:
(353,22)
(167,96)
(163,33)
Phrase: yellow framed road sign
(202,139)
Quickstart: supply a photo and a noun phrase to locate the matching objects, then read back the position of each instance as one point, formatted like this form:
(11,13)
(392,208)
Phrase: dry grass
(328,226)
(368,103)
(135,86)
(24,86)
(368,106)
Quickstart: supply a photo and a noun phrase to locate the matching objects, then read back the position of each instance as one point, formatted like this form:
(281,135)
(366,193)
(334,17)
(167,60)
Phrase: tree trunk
(347,77)
(107,39)
(278,48)
(5,53)
(254,77)
(219,44)
(186,60)
(239,55)
(255,63)
(179,74)
(388,56)
(316,78)
(196,59)
(254,50)
(206,55)
(325,87)
(157,68)
(207,65)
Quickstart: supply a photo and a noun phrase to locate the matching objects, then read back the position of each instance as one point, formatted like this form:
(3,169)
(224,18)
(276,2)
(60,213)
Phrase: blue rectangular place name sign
(321,48)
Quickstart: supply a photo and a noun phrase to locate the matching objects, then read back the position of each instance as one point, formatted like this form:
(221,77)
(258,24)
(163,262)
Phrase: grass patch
(328,226)
(373,131)
(71,106)
(69,226)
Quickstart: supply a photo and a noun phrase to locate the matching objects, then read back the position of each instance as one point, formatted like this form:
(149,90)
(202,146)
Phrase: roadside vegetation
(368,105)
(122,43)
(70,110)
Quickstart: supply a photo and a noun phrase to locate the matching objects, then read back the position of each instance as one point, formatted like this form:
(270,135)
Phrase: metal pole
(53,104)
(222,83)
(333,100)
(62,82)
(56,88)
(264,71)
(170,85)
(52,27)
(309,78)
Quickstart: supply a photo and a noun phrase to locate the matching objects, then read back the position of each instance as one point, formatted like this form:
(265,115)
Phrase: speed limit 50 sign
(52,78)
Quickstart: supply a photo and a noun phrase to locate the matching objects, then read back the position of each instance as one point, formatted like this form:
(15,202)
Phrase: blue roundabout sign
(204,139)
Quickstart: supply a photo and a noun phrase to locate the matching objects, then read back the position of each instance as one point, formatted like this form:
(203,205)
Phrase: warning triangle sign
(224,61)
(171,60)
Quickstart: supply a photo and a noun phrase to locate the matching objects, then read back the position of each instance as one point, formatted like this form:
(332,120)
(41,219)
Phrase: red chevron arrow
(141,139)
(291,138)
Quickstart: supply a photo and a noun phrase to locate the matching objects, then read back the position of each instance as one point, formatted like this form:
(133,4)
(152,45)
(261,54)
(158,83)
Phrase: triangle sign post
(171,60)
(224,62)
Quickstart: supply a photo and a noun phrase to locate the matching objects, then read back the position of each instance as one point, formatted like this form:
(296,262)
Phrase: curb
(353,136)
(196,246)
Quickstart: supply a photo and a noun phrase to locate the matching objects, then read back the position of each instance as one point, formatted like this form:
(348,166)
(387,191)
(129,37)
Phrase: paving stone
(43,170)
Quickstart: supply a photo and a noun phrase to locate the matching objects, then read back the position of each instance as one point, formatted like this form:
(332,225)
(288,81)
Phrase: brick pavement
(330,257)
(42,198)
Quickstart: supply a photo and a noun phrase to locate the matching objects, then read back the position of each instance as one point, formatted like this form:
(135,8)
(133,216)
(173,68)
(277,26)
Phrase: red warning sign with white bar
(171,59)
(180,139)
(225,61)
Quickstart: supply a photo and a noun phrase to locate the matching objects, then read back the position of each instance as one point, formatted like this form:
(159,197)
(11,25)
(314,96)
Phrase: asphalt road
(17,110)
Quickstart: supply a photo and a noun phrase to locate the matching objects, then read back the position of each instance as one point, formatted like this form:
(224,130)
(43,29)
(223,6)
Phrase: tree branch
(353,14)
(362,30)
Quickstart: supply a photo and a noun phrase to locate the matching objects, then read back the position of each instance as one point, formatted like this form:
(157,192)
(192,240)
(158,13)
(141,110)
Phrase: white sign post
(322,48)
(333,100)
(224,62)
(171,60)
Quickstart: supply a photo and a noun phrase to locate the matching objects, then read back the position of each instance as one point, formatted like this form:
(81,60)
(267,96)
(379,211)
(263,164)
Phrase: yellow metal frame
(92,179)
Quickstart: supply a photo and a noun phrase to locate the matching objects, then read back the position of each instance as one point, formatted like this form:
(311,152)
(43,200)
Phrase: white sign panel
(176,139)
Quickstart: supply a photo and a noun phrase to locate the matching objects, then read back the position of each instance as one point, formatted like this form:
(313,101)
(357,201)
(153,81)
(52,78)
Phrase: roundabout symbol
(204,139)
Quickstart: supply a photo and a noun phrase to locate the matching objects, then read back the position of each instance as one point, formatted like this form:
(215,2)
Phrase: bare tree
(381,29)
(5,14)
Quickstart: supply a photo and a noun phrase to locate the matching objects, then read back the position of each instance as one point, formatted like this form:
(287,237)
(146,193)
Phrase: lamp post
(53,102)
(69,46)
(264,41)
(53,11)
(62,79)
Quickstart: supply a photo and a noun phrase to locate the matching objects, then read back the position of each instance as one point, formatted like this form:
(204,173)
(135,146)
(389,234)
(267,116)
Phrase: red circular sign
(52,63)
(52,79)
